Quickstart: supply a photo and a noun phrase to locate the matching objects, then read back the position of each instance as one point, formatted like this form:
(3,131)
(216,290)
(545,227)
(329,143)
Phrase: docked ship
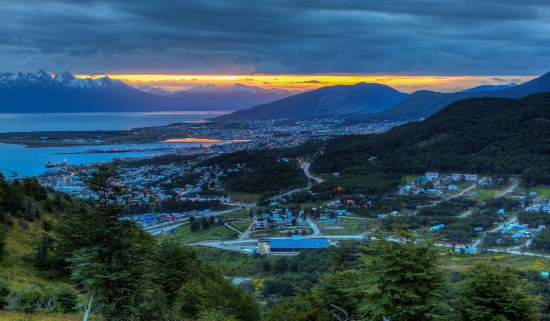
(52,165)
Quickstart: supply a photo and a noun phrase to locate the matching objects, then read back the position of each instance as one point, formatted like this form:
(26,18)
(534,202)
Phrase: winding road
(305,167)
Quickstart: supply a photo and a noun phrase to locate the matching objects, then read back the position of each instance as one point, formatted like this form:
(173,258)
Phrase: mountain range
(214,89)
(365,98)
(40,92)
(424,103)
(364,102)
(486,135)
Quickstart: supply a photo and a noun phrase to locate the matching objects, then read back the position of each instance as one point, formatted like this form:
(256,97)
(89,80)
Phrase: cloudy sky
(489,39)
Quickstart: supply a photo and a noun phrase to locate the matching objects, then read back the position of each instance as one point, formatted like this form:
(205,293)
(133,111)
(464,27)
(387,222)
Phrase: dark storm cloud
(233,36)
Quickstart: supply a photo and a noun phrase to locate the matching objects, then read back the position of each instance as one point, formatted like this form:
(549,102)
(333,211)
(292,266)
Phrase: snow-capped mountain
(155,90)
(235,88)
(40,92)
(61,80)
(215,89)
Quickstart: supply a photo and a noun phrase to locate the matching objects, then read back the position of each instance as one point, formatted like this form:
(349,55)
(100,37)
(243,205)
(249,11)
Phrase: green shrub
(47,225)
(27,299)
(66,298)
(3,233)
(4,292)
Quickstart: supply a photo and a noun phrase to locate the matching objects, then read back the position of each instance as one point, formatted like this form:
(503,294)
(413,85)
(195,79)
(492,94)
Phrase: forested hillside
(479,135)
(58,252)
(262,171)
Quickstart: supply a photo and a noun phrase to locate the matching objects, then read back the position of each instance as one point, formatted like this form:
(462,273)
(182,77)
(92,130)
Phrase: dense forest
(264,171)
(130,274)
(481,135)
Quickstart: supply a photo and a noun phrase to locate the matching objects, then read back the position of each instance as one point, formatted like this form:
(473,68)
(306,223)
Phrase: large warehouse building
(291,245)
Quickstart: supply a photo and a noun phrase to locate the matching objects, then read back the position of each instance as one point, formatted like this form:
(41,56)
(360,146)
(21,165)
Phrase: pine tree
(491,293)
(109,257)
(402,279)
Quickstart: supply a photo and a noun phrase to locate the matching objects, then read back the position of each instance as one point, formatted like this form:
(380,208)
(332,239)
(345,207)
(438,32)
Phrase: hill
(491,87)
(479,135)
(327,101)
(424,103)
(374,102)
(42,93)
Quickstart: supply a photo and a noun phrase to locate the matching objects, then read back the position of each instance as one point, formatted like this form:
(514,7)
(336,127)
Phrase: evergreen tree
(175,265)
(209,293)
(107,256)
(402,279)
(491,293)
(342,290)
(41,252)
(302,307)
(2,239)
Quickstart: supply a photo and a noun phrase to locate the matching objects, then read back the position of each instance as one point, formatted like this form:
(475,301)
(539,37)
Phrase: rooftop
(298,243)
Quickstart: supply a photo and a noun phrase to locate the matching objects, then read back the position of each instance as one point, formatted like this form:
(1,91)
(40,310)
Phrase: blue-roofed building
(291,245)
(437,227)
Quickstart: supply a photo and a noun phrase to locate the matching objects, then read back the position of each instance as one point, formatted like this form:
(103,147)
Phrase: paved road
(501,226)
(314,227)
(511,188)
(246,233)
(496,229)
(277,197)
(466,214)
(163,228)
(457,195)
(523,245)
(232,228)
(513,252)
(468,189)
(305,166)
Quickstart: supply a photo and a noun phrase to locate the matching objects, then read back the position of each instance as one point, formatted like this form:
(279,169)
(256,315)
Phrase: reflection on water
(203,140)
(32,161)
(192,140)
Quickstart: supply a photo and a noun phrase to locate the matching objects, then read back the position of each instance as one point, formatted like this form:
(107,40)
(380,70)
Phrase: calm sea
(31,161)
(96,121)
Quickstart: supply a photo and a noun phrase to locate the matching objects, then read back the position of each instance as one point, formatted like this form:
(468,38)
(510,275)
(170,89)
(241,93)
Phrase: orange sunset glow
(298,83)
(192,140)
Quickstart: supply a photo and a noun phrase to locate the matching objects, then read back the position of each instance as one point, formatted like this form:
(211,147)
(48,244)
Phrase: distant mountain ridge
(365,102)
(209,88)
(41,93)
(490,87)
(325,101)
(424,103)
(61,80)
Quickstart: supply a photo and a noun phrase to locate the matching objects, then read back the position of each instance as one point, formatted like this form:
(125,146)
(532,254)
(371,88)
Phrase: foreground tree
(107,256)
(342,291)
(491,293)
(403,280)
(132,276)
(302,307)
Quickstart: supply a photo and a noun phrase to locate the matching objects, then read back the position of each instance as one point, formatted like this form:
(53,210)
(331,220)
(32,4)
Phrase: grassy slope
(17,271)
(184,234)
(16,266)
